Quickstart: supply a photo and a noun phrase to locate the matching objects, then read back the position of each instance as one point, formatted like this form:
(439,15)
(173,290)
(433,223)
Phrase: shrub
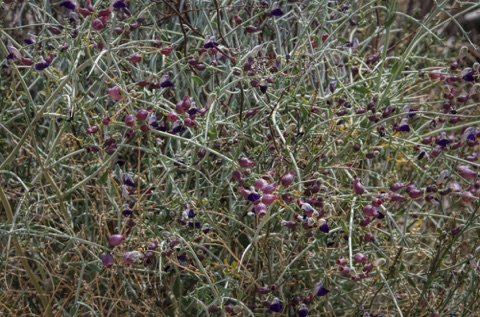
(238,158)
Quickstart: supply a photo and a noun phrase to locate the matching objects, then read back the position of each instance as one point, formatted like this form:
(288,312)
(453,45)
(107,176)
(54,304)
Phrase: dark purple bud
(303,311)
(397,186)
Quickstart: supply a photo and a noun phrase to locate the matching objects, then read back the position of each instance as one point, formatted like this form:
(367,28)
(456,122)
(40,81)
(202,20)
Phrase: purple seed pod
(107,260)
(366,221)
(290,224)
(106,120)
(115,93)
(344,270)
(260,209)
(270,188)
(92,130)
(341,261)
(397,197)
(98,25)
(368,210)
(466,172)
(415,193)
(377,202)
(287,179)
(133,257)
(116,239)
(360,258)
(268,199)
(237,176)
(319,290)
(130,120)
(369,237)
(358,187)
(245,162)
(427,140)
(252,29)
(369,267)
(260,183)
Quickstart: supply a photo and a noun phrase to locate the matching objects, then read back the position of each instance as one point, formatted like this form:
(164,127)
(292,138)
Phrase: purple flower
(254,196)
(210,42)
(127,213)
(303,311)
(277,12)
(324,226)
(118,5)
(442,140)
(165,82)
(403,126)
(29,39)
(128,180)
(276,305)
(468,74)
(41,65)
(70,5)
(319,290)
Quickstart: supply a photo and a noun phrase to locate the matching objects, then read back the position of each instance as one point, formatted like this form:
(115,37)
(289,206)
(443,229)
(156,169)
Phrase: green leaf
(389,20)
(361,89)
(197,80)
(103,179)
